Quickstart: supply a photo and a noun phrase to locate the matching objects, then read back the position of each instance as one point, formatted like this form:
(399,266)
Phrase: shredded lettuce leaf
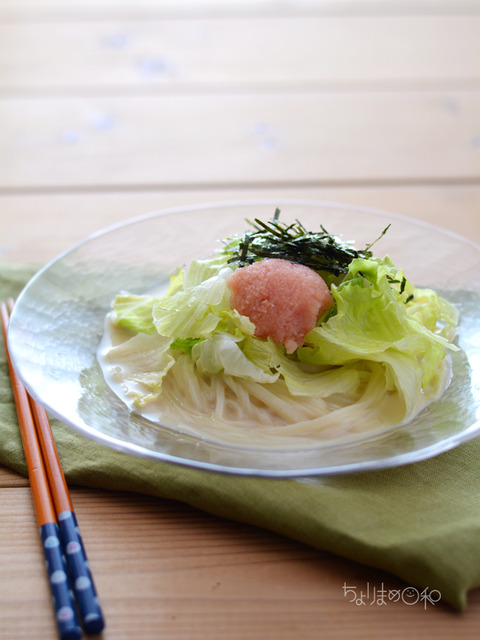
(141,364)
(222,354)
(382,328)
(134,312)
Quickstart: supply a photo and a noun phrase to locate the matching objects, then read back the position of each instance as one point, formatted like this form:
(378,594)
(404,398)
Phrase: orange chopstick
(36,471)
(66,617)
(54,511)
(56,477)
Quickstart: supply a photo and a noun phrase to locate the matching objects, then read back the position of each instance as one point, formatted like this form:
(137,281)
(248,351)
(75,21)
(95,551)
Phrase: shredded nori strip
(321,251)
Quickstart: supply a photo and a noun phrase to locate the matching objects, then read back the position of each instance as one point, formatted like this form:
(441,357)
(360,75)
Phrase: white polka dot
(51,542)
(82,583)
(65,613)
(64,515)
(90,617)
(58,577)
(73,547)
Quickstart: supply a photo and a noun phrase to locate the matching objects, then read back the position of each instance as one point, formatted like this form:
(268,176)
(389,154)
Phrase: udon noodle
(208,357)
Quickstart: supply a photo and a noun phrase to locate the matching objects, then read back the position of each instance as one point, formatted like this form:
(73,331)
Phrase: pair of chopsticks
(63,548)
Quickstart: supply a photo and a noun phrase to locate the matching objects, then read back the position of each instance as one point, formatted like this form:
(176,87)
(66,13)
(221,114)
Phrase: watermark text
(373,595)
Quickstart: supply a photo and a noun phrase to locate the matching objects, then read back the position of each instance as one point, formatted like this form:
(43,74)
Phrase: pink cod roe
(283,299)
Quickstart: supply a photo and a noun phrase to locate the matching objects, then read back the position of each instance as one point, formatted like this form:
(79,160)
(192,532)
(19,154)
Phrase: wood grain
(76,214)
(36,9)
(10,479)
(239,140)
(114,108)
(170,55)
(193,576)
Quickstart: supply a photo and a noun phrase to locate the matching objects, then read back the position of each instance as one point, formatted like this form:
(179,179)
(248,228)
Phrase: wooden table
(113,108)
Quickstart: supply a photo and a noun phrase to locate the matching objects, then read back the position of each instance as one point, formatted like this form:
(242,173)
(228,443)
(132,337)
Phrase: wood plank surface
(185,588)
(26,9)
(239,139)
(110,109)
(75,215)
(393,51)
(10,479)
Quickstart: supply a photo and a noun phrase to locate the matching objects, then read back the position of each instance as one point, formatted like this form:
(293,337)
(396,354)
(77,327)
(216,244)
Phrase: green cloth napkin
(420,522)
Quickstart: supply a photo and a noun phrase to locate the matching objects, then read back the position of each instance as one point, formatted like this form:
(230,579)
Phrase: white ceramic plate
(58,322)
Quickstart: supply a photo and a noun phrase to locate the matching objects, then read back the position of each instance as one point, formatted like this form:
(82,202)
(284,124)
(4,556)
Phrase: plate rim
(129,448)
